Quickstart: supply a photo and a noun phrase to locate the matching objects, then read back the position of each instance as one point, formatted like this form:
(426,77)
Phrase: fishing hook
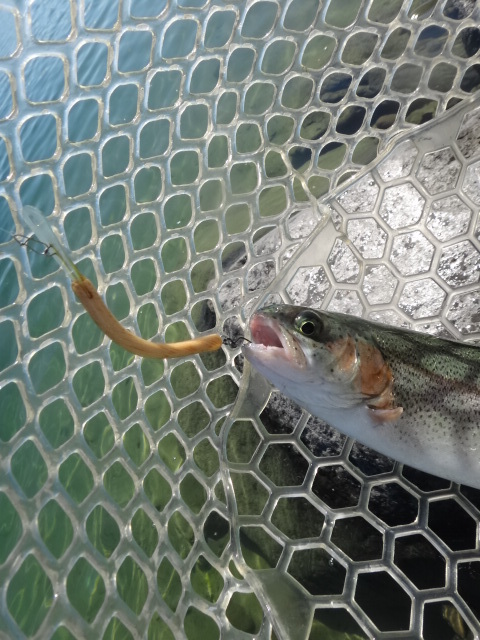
(233,342)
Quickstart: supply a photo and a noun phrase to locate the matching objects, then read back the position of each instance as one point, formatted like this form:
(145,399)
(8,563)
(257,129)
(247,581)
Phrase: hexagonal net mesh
(337,536)
(179,148)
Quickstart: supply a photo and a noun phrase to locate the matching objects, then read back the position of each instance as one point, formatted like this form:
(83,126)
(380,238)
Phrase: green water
(125,397)
(132,585)
(206,458)
(198,625)
(99,435)
(76,477)
(206,580)
(144,532)
(136,444)
(85,589)
(157,489)
(193,493)
(11,528)
(119,484)
(169,584)
(102,531)
(29,595)
(47,367)
(29,469)
(55,528)
(12,410)
(89,383)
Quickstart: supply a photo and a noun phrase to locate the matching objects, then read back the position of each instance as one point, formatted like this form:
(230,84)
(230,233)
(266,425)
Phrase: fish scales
(410,396)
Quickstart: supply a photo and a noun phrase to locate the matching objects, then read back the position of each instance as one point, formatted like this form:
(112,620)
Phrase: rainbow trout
(410,396)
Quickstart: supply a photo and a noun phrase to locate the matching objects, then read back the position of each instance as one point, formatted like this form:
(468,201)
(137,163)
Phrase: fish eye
(309,323)
(307,327)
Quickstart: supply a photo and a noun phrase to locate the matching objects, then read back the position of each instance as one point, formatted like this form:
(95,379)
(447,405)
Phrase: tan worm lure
(99,312)
(103,318)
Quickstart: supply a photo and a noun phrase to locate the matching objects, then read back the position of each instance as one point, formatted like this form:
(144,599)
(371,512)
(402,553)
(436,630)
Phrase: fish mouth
(270,339)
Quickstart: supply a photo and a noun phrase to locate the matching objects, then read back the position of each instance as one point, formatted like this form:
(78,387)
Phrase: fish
(410,396)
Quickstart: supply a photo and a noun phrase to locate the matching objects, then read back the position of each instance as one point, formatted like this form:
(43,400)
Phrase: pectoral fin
(380,416)
(375,381)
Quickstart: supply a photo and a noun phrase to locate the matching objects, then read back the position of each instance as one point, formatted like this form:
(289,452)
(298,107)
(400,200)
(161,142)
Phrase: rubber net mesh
(183,151)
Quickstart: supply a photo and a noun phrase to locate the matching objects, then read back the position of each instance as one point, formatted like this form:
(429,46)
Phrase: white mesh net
(178,149)
(378,550)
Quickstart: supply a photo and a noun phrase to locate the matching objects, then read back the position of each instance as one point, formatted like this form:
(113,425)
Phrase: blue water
(47,78)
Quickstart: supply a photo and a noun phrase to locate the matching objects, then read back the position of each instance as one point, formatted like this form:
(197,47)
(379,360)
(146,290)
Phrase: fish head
(324,361)
(299,343)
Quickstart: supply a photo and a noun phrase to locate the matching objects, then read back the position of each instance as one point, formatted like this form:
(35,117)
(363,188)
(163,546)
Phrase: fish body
(409,396)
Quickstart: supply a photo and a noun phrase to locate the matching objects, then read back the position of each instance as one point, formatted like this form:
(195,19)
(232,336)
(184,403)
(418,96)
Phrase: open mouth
(265,332)
(269,337)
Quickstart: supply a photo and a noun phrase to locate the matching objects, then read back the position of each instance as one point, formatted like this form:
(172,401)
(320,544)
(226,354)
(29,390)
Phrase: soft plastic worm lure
(97,309)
